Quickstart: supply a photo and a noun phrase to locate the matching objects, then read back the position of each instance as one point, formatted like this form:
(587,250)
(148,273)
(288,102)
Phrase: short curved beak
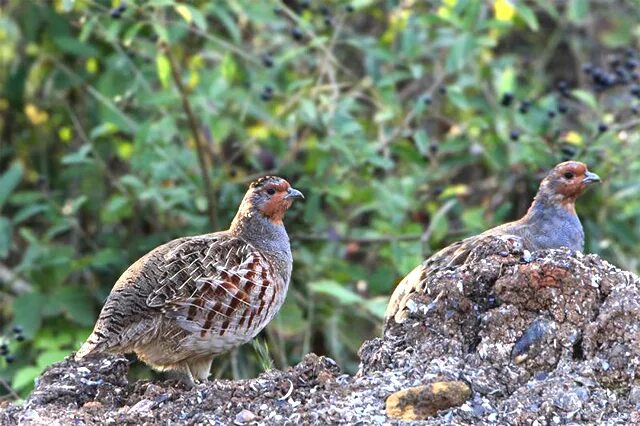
(590,178)
(293,193)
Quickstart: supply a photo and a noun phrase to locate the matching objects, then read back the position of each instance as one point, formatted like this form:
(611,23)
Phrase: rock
(540,339)
(244,416)
(142,406)
(421,402)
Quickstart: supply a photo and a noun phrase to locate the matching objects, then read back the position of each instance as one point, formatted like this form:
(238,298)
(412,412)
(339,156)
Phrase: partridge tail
(93,345)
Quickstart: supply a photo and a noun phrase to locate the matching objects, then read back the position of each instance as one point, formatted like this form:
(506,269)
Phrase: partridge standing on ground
(550,222)
(193,298)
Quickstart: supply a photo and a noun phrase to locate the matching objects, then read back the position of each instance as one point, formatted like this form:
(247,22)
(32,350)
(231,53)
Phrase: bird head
(566,182)
(271,196)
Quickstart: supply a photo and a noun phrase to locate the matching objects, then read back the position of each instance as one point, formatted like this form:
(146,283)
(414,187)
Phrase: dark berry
(297,34)
(267,93)
(551,113)
(9,358)
(506,100)
(267,61)
(438,190)
(325,10)
(19,337)
(427,100)
(117,12)
(569,151)
(4,349)
(562,109)
(328,21)
(17,329)
(587,68)
(442,90)
(304,4)
(433,148)
(349,8)
(514,135)
(524,107)
(635,91)
(602,127)
(631,64)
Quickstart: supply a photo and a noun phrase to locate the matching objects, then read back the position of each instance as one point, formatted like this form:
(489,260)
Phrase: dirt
(543,338)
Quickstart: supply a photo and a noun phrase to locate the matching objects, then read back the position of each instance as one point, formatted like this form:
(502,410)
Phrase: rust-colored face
(568,180)
(272,196)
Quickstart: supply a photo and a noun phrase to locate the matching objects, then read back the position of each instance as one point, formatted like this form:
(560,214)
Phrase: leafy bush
(407,124)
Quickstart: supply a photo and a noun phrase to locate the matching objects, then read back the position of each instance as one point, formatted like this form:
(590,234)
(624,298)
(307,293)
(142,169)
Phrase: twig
(17,284)
(186,105)
(9,389)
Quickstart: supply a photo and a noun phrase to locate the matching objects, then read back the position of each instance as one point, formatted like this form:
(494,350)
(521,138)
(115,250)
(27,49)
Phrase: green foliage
(389,117)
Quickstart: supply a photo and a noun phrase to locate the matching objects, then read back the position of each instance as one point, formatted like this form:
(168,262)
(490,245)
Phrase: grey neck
(263,234)
(555,225)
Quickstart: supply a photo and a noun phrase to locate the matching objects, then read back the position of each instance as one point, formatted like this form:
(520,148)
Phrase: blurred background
(407,124)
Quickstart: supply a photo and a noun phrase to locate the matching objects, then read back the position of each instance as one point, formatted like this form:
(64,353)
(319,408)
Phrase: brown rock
(422,402)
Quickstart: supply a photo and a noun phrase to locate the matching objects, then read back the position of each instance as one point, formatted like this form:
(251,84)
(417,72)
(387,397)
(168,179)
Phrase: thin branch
(197,137)
(15,283)
(9,389)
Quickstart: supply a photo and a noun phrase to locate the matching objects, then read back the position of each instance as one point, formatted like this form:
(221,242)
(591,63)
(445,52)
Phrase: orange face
(273,196)
(568,180)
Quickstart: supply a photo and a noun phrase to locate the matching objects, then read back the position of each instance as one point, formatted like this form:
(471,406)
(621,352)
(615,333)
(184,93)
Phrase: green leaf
(191,14)
(460,53)
(104,129)
(9,181)
(81,156)
(24,378)
(117,208)
(72,301)
(421,140)
(5,236)
(528,16)
(586,98)
(577,10)
(163,67)
(506,81)
(27,312)
(47,358)
(337,291)
(75,47)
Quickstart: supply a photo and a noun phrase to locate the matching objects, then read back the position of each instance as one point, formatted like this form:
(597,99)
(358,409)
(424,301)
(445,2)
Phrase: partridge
(193,298)
(550,222)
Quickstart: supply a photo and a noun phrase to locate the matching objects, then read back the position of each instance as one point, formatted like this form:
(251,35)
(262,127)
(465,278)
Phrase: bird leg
(200,367)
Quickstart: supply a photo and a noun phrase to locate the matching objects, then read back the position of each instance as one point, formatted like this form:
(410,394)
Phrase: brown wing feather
(452,255)
(210,288)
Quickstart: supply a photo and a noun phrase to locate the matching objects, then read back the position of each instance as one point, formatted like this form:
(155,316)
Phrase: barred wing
(212,285)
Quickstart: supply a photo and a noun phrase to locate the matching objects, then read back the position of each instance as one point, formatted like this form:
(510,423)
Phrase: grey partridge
(193,298)
(550,222)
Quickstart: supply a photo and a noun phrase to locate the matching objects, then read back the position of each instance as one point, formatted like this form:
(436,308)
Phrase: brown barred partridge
(193,298)
(550,222)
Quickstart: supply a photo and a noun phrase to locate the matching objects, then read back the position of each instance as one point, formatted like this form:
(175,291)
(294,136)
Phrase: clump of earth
(509,337)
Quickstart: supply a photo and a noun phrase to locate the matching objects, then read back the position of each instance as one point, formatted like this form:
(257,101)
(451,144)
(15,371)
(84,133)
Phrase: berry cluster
(18,336)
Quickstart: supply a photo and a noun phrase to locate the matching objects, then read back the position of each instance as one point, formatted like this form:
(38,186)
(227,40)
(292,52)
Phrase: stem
(193,125)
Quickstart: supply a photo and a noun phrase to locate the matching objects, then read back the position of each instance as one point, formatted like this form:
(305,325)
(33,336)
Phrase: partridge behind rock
(193,298)
(550,222)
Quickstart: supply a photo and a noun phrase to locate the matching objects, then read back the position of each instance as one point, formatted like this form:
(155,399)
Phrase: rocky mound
(510,337)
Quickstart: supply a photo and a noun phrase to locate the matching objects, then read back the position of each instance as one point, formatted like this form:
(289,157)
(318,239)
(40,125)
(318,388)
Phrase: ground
(543,338)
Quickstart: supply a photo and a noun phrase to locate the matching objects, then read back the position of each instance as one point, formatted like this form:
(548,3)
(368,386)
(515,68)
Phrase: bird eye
(568,175)
(271,191)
